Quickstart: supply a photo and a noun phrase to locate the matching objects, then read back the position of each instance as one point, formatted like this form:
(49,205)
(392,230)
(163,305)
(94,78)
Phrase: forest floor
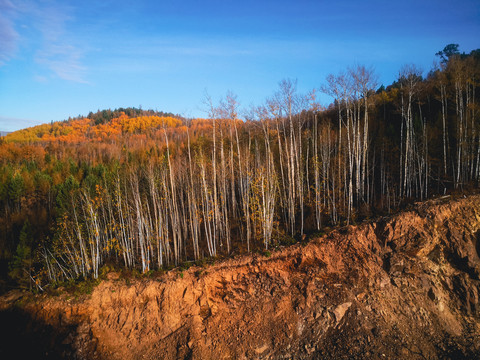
(405,286)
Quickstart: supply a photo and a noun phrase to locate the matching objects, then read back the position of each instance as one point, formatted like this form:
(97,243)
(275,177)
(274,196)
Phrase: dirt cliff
(405,286)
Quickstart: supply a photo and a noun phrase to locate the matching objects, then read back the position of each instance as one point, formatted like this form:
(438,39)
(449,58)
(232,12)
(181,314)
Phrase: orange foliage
(82,130)
(143,123)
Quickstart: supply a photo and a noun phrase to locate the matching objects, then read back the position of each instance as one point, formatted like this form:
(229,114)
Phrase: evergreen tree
(20,266)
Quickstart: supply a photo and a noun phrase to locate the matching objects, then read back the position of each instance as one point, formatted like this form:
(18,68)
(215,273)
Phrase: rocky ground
(405,286)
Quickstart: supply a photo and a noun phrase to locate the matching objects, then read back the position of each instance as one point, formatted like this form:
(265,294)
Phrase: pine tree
(21,265)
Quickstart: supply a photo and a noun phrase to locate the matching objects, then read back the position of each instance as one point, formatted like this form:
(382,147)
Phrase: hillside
(239,180)
(84,129)
(146,191)
(405,286)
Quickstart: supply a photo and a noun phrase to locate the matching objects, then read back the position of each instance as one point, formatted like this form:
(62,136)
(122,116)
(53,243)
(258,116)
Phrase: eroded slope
(402,287)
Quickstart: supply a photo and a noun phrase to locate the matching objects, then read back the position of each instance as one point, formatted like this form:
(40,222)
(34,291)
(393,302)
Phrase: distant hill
(101,126)
(4,133)
(105,116)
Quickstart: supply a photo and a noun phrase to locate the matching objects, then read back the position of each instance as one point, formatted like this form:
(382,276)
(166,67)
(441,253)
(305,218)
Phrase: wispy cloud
(40,78)
(8,35)
(13,124)
(55,48)
(64,61)
(155,55)
(192,45)
(58,52)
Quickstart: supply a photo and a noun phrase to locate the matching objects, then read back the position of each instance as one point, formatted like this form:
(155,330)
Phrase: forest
(148,190)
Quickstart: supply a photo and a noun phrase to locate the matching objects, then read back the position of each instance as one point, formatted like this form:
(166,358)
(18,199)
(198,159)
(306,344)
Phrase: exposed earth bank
(405,286)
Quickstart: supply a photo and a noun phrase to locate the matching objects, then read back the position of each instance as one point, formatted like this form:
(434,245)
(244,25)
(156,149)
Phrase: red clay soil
(405,286)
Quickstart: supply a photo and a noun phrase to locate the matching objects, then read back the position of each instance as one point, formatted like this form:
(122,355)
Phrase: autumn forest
(146,190)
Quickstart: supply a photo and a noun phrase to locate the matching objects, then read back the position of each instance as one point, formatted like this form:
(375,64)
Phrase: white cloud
(8,35)
(13,124)
(55,49)
(58,51)
(40,78)
(64,61)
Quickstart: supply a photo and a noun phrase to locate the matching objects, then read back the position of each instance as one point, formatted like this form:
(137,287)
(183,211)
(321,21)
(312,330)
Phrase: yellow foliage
(82,130)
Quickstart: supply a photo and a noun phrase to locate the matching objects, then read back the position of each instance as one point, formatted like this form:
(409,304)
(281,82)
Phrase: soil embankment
(405,286)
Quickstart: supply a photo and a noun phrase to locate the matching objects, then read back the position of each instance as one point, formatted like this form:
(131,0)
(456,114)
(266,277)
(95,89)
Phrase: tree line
(147,191)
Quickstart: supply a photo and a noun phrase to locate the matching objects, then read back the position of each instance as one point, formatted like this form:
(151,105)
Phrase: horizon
(60,60)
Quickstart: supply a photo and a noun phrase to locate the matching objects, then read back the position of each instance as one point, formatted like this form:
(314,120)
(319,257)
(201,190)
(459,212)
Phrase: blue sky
(66,58)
